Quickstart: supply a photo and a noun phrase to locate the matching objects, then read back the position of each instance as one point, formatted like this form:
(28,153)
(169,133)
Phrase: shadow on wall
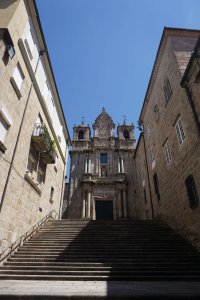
(72,203)
(6,3)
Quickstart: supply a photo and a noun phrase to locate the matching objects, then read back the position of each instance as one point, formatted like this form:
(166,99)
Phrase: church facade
(102,169)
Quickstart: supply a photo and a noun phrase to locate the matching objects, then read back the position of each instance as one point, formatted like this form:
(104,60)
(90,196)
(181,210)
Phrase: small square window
(104,158)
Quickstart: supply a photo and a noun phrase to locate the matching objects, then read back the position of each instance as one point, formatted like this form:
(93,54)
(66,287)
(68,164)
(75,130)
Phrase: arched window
(126,134)
(81,135)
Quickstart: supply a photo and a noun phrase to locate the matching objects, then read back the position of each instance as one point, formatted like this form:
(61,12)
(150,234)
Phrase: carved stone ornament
(103,125)
(103,196)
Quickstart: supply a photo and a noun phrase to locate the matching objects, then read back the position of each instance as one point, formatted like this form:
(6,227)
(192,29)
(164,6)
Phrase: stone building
(34,138)
(167,157)
(101,176)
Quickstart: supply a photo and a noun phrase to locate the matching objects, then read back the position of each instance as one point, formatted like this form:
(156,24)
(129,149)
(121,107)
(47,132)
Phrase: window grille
(167,90)
(168,153)
(180,132)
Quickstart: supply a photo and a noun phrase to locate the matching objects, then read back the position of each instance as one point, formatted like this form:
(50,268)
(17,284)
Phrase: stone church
(101,183)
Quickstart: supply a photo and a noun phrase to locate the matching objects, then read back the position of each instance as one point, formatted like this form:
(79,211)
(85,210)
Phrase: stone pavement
(22,289)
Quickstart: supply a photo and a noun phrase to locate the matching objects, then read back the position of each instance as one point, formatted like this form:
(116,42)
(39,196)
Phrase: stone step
(113,250)
(123,268)
(121,273)
(77,248)
(110,260)
(113,264)
(101,278)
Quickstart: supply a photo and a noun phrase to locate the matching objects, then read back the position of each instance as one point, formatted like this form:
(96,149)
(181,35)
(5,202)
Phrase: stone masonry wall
(23,206)
(159,123)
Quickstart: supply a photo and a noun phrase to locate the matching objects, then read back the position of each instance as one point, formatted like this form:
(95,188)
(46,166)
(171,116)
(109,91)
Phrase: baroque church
(101,183)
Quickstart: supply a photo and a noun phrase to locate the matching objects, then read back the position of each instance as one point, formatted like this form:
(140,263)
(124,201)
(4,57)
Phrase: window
(32,162)
(41,173)
(180,132)
(168,153)
(87,165)
(192,192)
(167,90)
(145,196)
(152,154)
(156,186)
(81,135)
(29,43)
(104,172)
(17,79)
(18,76)
(4,126)
(126,134)
(52,193)
(103,158)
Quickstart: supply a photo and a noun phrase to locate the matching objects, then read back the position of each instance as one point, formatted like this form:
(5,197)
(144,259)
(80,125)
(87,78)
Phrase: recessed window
(180,132)
(167,90)
(87,165)
(104,172)
(126,134)
(29,43)
(145,196)
(156,185)
(192,192)
(32,162)
(4,126)
(152,154)
(81,135)
(17,80)
(18,76)
(41,173)
(168,154)
(103,158)
(52,193)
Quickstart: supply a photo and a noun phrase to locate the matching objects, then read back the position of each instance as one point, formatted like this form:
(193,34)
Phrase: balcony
(113,178)
(42,143)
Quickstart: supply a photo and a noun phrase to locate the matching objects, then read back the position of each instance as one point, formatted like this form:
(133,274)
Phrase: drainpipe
(19,133)
(141,128)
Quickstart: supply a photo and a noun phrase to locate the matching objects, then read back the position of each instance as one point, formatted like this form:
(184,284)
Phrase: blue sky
(102,51)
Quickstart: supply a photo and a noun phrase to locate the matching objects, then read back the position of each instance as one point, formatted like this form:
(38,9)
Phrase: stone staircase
(104,250)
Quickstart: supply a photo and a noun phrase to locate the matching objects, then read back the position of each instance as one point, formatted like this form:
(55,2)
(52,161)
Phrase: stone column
(118,164)
(93,210)
(88,204)
(84,204)
(122,160)
(119,200)
(124,204)
(86,165)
